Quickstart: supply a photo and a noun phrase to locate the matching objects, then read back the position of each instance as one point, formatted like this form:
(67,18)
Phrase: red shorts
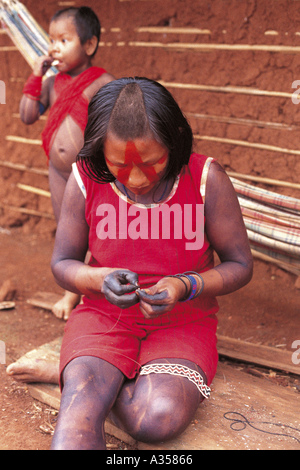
(125,339)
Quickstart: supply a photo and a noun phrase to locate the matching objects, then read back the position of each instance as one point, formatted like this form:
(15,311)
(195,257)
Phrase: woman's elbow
(55,268)
(248,269)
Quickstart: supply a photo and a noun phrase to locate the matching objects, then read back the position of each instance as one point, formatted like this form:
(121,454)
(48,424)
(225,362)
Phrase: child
(142,344)
(74,36)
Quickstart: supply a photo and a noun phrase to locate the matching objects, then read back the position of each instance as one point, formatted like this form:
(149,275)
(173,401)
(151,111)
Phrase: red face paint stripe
(132,157)
(163,159)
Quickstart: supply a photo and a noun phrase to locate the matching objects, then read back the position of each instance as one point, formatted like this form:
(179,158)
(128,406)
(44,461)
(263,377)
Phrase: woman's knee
(92,376)
(162,419)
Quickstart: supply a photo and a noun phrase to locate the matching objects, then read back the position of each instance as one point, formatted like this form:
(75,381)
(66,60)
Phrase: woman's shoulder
(197,160)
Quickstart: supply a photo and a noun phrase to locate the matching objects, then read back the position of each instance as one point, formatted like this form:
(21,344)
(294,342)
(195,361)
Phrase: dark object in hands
(119,288)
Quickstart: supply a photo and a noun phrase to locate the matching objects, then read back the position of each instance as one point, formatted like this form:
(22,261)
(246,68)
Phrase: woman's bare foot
(35,370)
(63,308)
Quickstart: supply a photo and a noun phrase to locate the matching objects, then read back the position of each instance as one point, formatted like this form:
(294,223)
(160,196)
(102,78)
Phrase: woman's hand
(119,288)
(162,297)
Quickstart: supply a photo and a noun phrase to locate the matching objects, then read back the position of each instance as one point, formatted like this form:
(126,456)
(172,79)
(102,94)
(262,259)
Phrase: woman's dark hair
(133,108)
(86,22)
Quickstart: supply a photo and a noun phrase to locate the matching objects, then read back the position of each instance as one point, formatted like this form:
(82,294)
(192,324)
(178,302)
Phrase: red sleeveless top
(156,240)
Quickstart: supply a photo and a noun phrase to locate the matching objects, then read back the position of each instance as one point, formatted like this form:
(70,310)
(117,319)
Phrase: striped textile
(27,35)
(272,221)
(268,197)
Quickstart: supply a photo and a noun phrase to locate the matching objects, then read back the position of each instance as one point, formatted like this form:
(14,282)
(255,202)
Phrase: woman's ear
(91,45)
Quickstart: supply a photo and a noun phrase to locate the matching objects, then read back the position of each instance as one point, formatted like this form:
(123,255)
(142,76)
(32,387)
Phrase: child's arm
(35,99)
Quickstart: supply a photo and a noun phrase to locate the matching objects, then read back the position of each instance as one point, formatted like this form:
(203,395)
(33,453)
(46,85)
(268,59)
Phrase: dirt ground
(264,312)
(26,424)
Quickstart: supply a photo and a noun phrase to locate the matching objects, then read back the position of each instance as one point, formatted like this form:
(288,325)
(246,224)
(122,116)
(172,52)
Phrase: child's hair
(133,108)
(86,22)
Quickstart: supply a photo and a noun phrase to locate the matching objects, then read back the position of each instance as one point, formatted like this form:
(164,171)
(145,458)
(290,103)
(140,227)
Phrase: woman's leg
(91,386)
(157,407)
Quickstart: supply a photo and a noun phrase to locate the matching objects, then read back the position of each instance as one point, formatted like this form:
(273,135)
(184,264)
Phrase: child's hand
(42,64)
(160,298)
(119,288)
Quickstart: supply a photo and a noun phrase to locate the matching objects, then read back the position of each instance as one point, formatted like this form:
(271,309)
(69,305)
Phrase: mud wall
(229,63)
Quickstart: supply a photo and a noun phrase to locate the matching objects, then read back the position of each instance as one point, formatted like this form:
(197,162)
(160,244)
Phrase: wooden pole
(168,29)
(21,167)
(217,47)
(23,210)
(226,89)
(261,179)
(271,148)
(8,48)
(32,189)
(244,122)
(23,140)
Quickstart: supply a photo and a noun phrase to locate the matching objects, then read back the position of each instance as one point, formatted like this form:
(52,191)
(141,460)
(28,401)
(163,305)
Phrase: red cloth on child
(69,100)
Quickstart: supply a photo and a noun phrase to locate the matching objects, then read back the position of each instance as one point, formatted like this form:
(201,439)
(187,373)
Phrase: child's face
(139,164)
(65,46)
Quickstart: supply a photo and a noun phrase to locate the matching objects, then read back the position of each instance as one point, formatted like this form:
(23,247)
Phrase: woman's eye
(119,165)
(146,164)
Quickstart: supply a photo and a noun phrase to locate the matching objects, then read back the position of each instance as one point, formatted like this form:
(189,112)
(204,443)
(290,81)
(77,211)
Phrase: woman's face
(139,164)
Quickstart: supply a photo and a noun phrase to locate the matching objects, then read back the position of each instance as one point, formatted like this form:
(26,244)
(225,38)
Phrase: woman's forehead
(135,150)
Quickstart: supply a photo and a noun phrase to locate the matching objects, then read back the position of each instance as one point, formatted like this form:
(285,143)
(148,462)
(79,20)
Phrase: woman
(142,345)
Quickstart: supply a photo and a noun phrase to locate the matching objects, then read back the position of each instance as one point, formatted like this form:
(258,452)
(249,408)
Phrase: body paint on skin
(132,157)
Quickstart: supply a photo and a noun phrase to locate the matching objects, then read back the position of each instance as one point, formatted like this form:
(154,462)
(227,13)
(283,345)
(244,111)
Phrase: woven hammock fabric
(272,221)
(24,31)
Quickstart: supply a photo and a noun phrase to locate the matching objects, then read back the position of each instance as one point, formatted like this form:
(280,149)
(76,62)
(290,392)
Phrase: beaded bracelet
(192,293)
(194,286)
(202,282)
(189,293)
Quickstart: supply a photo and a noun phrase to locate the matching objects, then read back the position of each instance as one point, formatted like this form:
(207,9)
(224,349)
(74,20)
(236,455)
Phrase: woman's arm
(227,233)
(71,245)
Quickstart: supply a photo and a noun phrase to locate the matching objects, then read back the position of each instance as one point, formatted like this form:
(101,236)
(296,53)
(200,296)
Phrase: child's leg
(63,308)
(157,407)
(57,182)
(34,370)
(91,386)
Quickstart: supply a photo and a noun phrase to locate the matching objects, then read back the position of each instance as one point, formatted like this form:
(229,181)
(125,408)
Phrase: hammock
(272,221)
(27,35)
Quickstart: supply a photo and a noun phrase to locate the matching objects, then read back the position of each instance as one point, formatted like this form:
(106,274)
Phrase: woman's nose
(137,178)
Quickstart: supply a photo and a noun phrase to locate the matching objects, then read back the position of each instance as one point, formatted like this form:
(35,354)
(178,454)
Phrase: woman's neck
(157,194)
